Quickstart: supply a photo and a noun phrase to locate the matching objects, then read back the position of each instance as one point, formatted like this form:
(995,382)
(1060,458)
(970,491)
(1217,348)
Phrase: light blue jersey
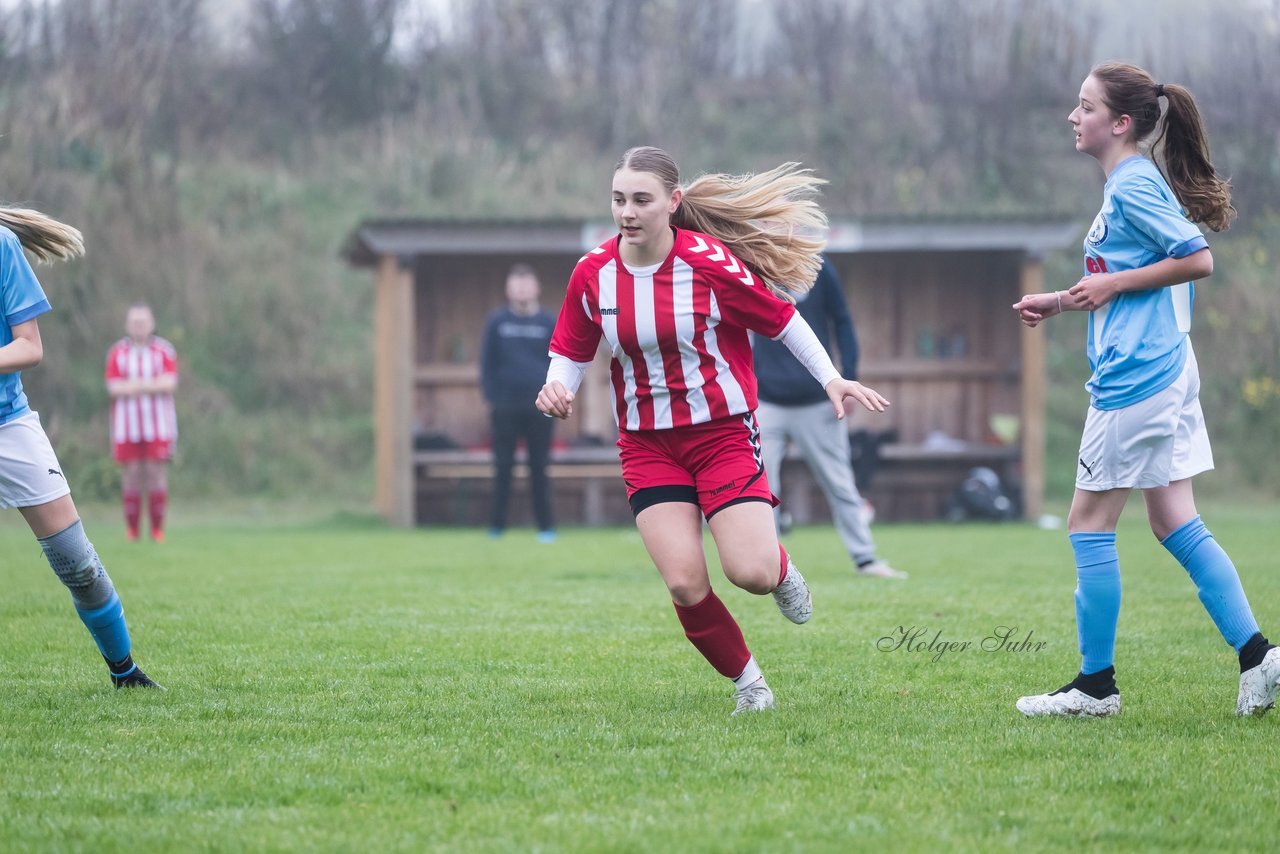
(1138,341)
(21,299)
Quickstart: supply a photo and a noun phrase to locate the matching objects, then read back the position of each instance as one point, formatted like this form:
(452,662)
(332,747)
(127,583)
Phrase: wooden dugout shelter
(930,302)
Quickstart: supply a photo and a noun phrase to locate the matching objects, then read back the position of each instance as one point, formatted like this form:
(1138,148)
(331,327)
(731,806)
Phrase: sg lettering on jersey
(1095,265)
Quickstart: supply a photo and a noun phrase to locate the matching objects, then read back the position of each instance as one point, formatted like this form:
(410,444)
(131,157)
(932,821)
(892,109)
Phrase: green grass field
(342,686)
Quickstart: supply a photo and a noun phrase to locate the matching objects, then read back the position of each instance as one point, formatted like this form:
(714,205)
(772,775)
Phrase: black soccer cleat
(126,674)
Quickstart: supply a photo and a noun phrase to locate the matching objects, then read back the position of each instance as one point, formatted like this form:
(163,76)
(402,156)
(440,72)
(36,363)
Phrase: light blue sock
(1097,598)
(76,564)
(109,629)
(1216,580)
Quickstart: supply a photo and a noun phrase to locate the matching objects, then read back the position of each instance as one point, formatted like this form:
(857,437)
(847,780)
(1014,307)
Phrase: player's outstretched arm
(1033,309)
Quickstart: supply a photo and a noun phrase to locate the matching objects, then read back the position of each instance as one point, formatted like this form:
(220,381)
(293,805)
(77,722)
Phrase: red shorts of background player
(713,465)
(157,450)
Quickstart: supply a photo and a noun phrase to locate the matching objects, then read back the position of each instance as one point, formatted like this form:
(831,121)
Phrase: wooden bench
(911,482)
(452,485)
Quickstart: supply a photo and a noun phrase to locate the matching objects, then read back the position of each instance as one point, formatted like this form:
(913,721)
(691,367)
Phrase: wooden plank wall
(935,329)
(454,295)
(937,337)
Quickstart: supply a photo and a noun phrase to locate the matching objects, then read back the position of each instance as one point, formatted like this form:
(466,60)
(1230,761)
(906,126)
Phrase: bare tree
(323,63)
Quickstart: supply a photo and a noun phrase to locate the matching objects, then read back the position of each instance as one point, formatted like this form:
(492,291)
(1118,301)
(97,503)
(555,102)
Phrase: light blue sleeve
(23,298)
(1158,218)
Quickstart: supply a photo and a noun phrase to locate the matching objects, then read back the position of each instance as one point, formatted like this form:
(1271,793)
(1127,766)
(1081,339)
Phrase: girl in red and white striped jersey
(141,376)
(674,295)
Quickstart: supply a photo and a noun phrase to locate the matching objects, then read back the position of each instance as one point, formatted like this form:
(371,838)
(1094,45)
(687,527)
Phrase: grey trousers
(824,444)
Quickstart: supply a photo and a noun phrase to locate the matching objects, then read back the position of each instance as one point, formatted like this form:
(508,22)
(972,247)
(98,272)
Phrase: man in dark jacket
(795,409)
(513,367)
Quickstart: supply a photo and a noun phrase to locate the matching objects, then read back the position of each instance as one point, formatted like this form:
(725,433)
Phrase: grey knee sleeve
(77,566)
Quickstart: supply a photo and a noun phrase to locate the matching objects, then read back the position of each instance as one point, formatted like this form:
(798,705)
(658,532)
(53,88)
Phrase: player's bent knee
(757,577)
(688,593)
(76,563)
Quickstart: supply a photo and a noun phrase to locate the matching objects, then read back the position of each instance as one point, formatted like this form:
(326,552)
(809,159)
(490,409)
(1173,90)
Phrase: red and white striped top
(677,330)
(143,417)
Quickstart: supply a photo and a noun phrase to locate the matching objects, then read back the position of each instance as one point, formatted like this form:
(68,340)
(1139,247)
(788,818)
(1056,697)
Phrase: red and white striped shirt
(677,330)
(143,417)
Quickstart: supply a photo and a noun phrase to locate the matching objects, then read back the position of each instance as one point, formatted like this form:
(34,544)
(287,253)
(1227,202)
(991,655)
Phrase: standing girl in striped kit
(674,295)
(1145,428)
(30,477)
(141,377)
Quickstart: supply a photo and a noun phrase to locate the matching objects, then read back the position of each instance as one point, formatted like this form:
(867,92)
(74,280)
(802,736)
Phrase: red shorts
(157,450)
(713,465)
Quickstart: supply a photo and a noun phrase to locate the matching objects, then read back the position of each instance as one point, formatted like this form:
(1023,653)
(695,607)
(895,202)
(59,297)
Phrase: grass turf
(342,686)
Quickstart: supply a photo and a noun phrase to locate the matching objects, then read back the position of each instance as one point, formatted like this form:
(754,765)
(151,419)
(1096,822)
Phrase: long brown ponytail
(1181,142)
(43,236)
(769,220)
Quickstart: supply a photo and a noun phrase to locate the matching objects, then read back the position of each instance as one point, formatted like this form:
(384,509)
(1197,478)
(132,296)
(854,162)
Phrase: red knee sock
(784,560)
(156,501)
(712,630)
(132,512)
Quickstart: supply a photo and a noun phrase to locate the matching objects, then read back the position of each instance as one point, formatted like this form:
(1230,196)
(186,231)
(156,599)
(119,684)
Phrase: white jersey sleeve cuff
(568,372)
(804,345)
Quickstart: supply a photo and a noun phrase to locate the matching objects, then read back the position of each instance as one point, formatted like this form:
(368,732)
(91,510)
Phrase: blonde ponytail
(43,236)
(770,220)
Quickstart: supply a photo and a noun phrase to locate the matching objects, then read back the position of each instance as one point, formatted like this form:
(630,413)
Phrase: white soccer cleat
(756,697)
(792,596)
(879,569)
(1259,686)
(1069,701)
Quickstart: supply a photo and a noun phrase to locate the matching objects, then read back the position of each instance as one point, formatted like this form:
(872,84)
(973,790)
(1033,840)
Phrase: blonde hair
(770,220)
(43,236)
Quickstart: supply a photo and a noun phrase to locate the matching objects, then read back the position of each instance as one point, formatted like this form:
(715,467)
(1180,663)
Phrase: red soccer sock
(783,559)
(132,512)
(712,630)
(157,500)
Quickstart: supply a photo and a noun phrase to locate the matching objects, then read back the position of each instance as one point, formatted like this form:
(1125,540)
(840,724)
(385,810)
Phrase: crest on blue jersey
(1097,231)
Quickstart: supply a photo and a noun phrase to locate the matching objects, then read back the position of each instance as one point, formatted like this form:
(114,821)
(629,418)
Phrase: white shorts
(29,470)
(1152,443)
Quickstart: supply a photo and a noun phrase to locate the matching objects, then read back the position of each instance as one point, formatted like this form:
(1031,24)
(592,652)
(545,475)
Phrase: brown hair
(768,220)
(43,236)
(1181,141)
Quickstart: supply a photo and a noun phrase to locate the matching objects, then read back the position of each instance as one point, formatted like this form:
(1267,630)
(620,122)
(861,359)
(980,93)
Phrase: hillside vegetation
(216,163)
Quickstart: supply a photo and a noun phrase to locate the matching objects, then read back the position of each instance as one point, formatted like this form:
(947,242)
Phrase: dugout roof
(406,238)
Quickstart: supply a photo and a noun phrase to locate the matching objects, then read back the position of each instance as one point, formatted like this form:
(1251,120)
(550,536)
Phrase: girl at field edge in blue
(30,477)
(1145,428)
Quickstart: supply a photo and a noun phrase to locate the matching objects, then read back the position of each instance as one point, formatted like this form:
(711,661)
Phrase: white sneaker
(756,697)
(1259,686)
(1069,701)
(792,596)
(879,569)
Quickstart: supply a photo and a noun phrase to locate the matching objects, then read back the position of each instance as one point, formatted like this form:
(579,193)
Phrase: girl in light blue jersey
(1145,428)
(30,477)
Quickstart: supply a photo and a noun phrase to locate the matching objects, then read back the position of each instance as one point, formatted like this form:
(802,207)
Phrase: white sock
(749,675)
